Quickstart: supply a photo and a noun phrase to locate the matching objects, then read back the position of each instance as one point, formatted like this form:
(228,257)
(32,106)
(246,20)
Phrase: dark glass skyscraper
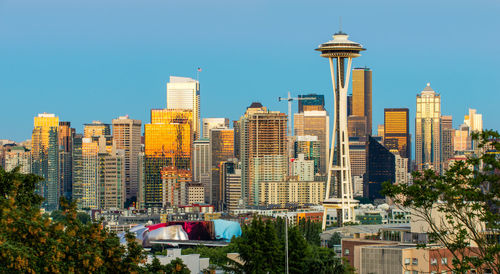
(380,167)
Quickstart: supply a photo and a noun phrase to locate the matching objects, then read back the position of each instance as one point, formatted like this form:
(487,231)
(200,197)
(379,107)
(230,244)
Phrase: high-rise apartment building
(221,150)
(303,169)
(461,139)
(168,143)
(262,133)
(447,133)
(90,167)
(427,130)
(315,123)
(184,93)
(174,189)
(201,158)
(396,131)
(362,97)
(65,135)
(127,137)
(210,123)
(112,192)
(17,156)
(45,158)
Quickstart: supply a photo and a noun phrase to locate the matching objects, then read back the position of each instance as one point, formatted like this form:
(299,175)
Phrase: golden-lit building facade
(427,130)
(45,156)
(97,128)
(90,187)
(168,142)
(221,150)
(315,123)
(362,96)
(397,131)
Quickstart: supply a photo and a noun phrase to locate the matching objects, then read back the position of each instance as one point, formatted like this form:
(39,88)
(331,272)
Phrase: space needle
(340,52)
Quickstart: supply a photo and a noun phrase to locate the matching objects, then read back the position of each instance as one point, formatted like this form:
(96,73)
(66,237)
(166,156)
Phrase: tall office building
(77,169)
(65,135)
(447,133)
(362,98)
(96,128)
(262,133)
(474,120)
(45,157)
(231,176)
(184,93)
(174,189)
(317,103)
(127,137)
(201,158)
(168,142)
(315,123)
(380,167)
(397,131)
(209,123)
(427,130)
(221,150)
(90,167)
(357,153)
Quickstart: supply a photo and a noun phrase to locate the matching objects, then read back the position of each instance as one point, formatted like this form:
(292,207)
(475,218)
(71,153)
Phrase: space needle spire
(340,52)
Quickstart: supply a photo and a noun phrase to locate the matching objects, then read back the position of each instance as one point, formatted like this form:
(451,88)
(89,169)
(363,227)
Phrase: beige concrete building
(210,123)
(296,192)
(127,137)
(195,194)
(112,191)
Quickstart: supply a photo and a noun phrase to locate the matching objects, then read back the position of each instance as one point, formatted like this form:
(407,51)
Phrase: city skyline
(68,73)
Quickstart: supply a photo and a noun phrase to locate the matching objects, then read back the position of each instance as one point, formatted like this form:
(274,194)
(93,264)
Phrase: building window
(434,261)
(346,251)
(444,261)
(407,261)
(414,261)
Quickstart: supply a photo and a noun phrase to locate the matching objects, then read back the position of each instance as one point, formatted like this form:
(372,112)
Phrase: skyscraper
(96,128)
(447,133)
(362,97)
(184,93)
(262,133)
(168,142)
(17,156)
(221,150)
(474,120)
(397,131)
(45,156)
(202,172)
(231,176)
(127,137)
(315,123)
(209,123)
(309,146)
(427,130)
(112,193)
(380,167)
(65,135)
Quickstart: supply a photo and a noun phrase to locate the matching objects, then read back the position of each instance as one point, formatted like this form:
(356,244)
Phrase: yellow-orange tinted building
(397,131)
(168,142)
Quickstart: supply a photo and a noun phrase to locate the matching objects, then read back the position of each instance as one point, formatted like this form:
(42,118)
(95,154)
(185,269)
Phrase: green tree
(335,239)
(177,266)
(33,243)
(467,196)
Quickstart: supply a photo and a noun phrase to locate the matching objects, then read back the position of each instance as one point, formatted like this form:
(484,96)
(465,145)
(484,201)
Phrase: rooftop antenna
(340,23)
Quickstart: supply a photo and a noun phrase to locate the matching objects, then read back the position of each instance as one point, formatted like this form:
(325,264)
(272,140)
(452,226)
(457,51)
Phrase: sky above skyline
(97,60)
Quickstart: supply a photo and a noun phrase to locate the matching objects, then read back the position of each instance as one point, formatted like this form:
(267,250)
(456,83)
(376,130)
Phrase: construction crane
(290,99)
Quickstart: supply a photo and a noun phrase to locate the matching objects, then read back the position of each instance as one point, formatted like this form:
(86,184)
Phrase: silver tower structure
(340,52)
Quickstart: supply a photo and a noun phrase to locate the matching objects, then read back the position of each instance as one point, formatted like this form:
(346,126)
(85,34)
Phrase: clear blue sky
(95,60)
